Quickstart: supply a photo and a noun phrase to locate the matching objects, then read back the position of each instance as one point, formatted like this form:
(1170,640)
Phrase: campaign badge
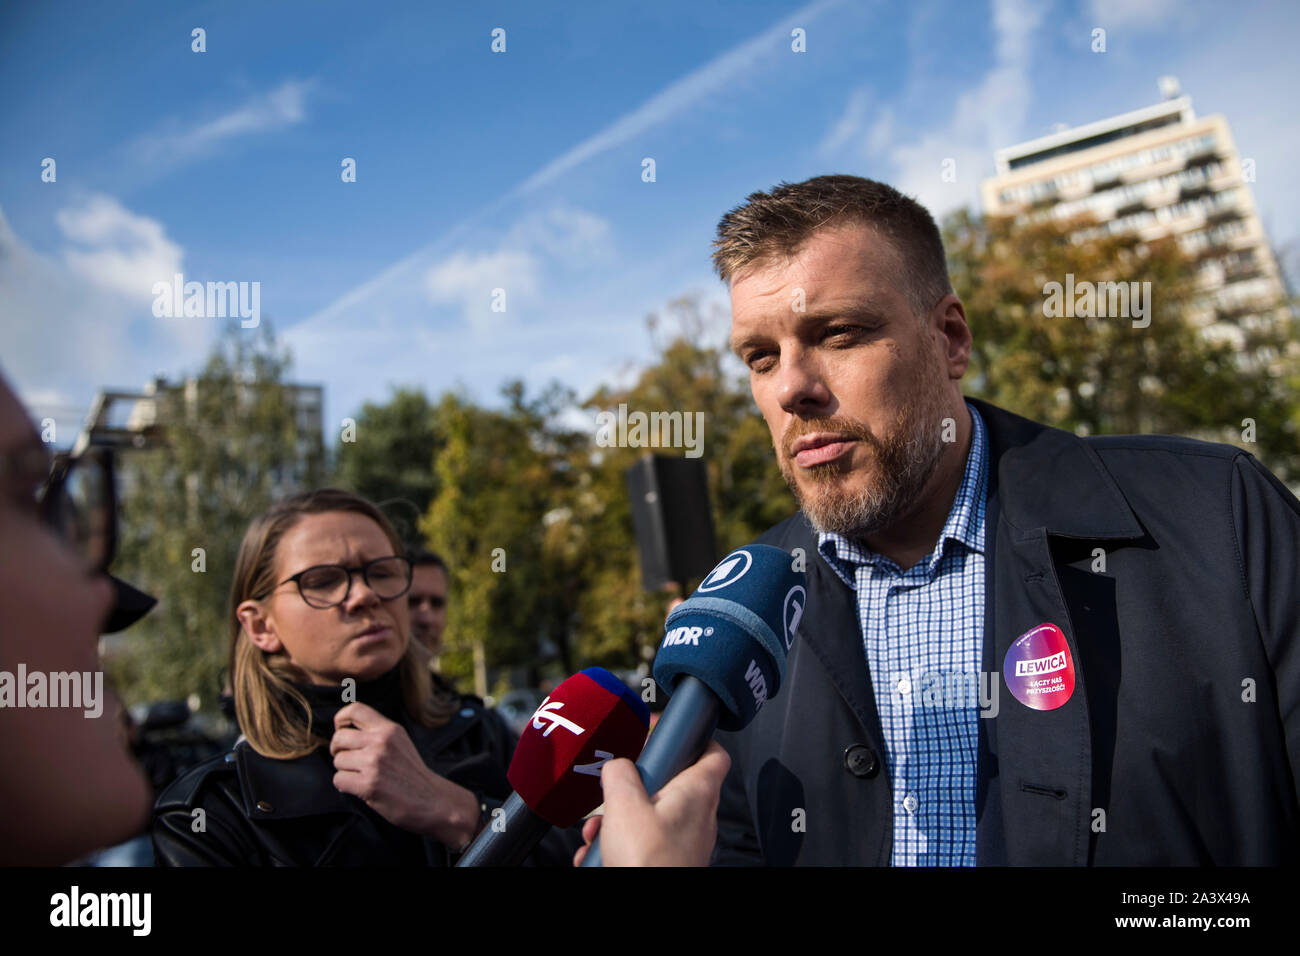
(1039,670)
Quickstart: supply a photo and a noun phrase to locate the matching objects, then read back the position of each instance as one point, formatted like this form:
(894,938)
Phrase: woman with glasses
(348,755)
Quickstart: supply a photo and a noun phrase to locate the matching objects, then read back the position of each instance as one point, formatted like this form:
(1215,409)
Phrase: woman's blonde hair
(273,715)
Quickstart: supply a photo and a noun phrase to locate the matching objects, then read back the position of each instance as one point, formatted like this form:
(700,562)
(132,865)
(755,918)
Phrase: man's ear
(949,318)
(257,628)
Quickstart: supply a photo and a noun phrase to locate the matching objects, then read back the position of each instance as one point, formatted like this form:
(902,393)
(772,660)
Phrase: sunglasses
(79,502)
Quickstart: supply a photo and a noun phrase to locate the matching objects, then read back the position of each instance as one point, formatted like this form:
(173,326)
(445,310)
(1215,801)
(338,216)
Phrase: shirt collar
(965,523)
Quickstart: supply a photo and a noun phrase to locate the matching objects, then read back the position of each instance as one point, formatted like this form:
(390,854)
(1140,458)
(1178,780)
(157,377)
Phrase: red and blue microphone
(590,718)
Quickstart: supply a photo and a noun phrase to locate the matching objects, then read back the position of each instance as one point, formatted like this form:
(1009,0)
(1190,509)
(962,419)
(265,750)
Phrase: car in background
(518,706)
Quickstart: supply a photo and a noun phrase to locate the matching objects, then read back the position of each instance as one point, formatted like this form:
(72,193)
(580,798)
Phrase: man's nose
(800,385)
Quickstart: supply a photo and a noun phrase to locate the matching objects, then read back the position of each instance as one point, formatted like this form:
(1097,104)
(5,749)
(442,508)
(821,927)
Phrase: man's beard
(900,465)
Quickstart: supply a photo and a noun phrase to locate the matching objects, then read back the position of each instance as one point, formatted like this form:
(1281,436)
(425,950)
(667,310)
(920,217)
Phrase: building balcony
(1130,209)
(1217,217)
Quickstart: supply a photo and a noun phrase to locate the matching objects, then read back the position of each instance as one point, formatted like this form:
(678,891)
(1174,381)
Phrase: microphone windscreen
(734,632)
(590,718)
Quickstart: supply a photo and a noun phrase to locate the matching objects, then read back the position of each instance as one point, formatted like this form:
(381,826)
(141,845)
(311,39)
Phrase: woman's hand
(377,762)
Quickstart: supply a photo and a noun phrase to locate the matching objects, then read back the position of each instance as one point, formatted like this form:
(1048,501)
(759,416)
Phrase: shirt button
(905,687)
(909,803)
(264,806)
(861,761)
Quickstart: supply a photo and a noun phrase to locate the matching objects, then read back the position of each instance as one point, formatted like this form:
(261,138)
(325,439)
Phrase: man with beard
(969,684)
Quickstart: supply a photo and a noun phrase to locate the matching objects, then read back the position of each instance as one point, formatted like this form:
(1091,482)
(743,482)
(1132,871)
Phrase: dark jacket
(260,811)
(1184,725)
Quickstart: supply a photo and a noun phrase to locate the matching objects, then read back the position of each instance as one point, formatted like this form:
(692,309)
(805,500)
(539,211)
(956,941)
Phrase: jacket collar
(276,789)
(1057,481)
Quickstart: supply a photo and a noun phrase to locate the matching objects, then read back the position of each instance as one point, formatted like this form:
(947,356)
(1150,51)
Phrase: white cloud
(983,119)
(562,232)
(473,281)
(275,109)
(558,238)
(1132,13)
(65,339)
(125,253)
(430,322)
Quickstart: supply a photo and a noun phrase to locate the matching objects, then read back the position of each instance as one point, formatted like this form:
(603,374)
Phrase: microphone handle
(679,738)
(507,842)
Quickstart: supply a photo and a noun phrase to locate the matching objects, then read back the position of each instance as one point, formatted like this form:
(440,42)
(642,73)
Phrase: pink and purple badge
(1039,670)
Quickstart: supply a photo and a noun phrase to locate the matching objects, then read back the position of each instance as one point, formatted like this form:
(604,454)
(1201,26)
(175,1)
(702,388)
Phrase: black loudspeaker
(674,523)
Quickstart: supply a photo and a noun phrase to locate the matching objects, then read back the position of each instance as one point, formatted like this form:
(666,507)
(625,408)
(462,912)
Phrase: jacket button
(861,761)
(264,806)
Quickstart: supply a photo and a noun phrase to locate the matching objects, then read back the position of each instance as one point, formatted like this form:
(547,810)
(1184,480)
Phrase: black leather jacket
(260,811)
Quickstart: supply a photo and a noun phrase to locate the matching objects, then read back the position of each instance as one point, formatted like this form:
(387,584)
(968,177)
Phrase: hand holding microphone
(676,827)
(589,719)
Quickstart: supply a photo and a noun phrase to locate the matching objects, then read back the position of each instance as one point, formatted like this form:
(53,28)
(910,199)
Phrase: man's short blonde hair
(773,225)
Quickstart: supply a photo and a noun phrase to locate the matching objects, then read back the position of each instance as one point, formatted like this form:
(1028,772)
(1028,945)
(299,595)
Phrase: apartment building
(1156,171)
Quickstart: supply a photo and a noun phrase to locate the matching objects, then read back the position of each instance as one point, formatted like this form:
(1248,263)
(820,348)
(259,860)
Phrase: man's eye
(760,361)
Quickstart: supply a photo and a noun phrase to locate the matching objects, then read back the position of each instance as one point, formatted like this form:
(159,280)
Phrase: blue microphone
(722,658)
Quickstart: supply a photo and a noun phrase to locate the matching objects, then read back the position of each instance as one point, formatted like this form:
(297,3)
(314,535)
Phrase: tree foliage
(390,459)
(1103,375)
(500,475)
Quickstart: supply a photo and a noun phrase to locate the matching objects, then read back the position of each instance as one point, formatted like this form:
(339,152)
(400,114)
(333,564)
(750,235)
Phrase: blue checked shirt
(922,631)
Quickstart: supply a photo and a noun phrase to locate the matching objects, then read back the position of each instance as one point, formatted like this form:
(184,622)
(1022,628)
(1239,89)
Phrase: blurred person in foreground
(67,783)
(348,756)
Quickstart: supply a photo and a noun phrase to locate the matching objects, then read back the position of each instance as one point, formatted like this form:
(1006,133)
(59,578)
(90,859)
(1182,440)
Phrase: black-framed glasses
(328,585)
(79,501)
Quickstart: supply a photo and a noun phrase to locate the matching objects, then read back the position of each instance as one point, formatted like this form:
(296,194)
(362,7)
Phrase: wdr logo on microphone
(686,634)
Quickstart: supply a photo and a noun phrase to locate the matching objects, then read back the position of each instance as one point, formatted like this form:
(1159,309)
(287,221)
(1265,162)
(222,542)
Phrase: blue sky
(519,170)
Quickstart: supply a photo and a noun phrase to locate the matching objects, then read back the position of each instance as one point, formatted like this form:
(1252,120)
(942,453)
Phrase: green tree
(502,475)
(1103,375)
(230,444)
(391,458)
